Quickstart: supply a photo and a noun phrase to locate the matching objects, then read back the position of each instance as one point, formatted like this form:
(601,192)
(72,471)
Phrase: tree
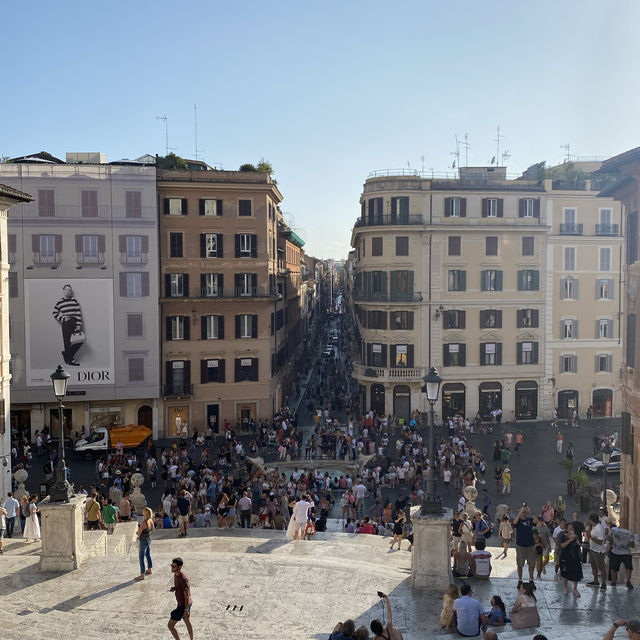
(170,161)
(265,166)
(247,167)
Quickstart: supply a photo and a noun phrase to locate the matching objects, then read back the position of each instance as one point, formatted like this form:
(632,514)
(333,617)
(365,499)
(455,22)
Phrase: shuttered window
(133,204)
(454,248)
(89,200)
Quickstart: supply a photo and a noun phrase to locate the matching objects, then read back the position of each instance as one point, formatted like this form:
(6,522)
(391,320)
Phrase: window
(246,326)
(246,370)
(490,207)
(377,319)
(455,207)
(175,206)
(630,342)
(135,325)
(376,246)
(528,280)
(527,246)
(133,204)
(211,245)
(569,328)
(569,258)
(244,207)
(175,245)
(568,363)
(569,217)
(604,362)
(46,203)
(177,285)
(246,284)
(491,245)
(606,216)
(400,355)
(375,211)
(402,245)
(527,353)
(569,289)
(400,210)
(400,320)
(605,258)
(13,284)
(177,327)
(212,371)
(527,318)
(490,319)
(529,208)
(178,378)
(632,237)
(91,249)
(47,249)
(604,328)
(134,284)
(454,246)
(210,207)
(89,200)
(457,280)
(212,327)
(246,245)
(401,285)
(491,280)
(211,285)
(604,289)
(135,369)
(376,355)
(491,353)
(454,319)
(455,354)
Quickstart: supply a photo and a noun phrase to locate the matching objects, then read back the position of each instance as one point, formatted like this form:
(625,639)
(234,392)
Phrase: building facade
(463,274)
(83,292)
(223,300)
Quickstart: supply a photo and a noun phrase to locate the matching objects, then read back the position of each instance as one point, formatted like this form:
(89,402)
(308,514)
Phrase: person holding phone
(525,550)
(381,632)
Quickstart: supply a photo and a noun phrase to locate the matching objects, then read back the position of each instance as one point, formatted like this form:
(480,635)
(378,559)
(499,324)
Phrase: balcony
(607,229)
(140,259)
(398,219)
(85,259)
(47,259)
(570,229)
(396,296)
(393,374)
(237,292)
(177,391)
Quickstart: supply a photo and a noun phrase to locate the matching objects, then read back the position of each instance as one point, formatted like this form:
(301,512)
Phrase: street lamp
(606,457)
(61,491)
(431,503)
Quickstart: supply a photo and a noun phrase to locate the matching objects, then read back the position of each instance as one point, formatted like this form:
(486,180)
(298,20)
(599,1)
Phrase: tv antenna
(195,126)
(499,137)
(505,156)
(166,133)
(456,153)
(466,146)
(567,149)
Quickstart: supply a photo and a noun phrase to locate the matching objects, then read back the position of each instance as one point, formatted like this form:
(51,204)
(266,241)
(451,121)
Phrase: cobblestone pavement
(256,585)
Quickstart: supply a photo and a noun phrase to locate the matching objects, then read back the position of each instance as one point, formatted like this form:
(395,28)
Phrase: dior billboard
(69,322)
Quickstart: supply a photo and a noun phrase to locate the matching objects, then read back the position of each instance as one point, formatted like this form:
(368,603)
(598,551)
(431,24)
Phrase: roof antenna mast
(497,141)
(166,134)
(466,146)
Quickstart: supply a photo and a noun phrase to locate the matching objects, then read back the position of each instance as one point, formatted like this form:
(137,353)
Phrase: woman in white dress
(31,531)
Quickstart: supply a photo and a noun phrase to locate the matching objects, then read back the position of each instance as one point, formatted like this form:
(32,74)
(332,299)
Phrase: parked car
(594,464)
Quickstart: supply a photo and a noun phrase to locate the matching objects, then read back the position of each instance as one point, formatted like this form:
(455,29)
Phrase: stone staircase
(256,584)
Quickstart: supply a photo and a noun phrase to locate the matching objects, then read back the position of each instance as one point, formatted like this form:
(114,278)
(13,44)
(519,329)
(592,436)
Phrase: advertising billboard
(69,322)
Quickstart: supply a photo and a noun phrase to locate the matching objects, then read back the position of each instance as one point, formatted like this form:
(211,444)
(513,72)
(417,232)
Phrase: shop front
(377,399)
(489,398)
(402,402)
(602,403)
(526,400)
(245,412)
(178,421)
(453,400)
(567,403)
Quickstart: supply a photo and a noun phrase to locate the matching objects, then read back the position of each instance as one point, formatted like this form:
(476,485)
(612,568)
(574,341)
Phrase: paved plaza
(256,584)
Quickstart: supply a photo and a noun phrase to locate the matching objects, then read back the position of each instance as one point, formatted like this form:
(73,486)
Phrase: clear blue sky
(326,91)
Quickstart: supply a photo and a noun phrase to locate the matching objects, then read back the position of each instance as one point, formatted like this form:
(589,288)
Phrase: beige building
(464,274)
(230,297)
(8,198)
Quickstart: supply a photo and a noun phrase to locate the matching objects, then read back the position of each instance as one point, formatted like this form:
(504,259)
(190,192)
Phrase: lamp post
(606,457)
(431,503)
(61,491)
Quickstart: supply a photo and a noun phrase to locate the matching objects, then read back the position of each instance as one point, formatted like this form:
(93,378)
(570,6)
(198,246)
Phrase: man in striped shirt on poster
(68,313)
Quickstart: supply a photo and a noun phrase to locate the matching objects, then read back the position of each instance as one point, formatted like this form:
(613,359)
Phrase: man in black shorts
(182,589)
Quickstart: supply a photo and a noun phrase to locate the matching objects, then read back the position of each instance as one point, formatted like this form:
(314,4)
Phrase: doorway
(245,412)
(490,398)
(54,421)
(602,403)
(377,399)
(567,403)
(453,400)
(178,420)
(402,402)
(145,416)
(526,400)
(213,417)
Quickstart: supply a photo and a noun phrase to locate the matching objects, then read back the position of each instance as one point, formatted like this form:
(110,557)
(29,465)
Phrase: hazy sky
(327,92)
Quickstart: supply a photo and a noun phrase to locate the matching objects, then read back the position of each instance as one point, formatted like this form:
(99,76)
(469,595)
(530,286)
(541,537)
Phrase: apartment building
(227,276)
(463,274)
(84,249)
(8,198)
(627,192)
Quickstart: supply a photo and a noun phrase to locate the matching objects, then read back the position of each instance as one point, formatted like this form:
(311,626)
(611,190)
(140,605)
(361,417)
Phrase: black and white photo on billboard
(69,322)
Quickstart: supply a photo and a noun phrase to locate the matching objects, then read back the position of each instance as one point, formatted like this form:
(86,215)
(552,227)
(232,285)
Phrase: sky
(326,92)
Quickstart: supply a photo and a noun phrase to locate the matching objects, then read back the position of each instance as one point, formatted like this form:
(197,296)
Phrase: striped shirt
(68,308)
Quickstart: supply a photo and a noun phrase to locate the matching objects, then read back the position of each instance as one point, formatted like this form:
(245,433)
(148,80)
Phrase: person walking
(182,590)
(11,506)
(622,541)
(398,525)
(244,507)
(92,512)
(183,504)
(570,559)
(525,551)
(506,534)
(506,481)
(31,532)
(144,537)
(559,442)
(3,524)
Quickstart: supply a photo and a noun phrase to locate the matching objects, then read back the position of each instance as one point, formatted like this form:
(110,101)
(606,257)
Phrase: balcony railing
(87,259)
(178,391)
(47,258)
(397,219)
(396,296)
(389,374)
(607,229)
(125,258)
(12,257)
(570,229)
(237,292)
